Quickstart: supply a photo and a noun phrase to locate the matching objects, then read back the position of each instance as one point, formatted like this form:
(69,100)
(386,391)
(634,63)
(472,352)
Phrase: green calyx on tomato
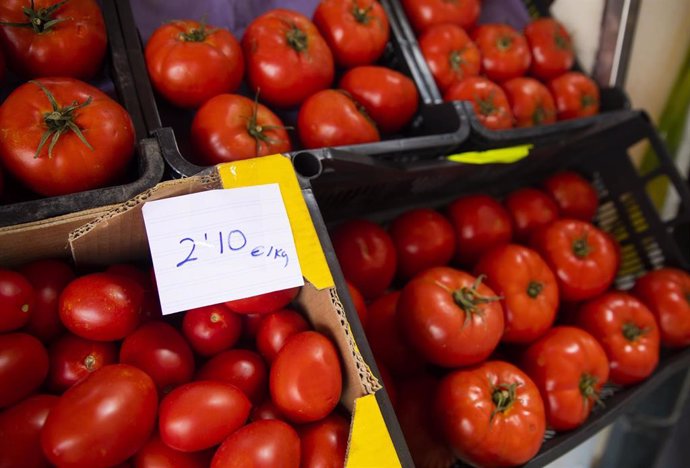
(504,43)
(632,332)
(586,385)
(587,100)
(362,15)
(503,395)
(455,59)
(581,247)
(469,300)
(539,115)
(486,106)
(40,20)
(296,38)
(561,41)
(534,288)
(257,131)
(197,34)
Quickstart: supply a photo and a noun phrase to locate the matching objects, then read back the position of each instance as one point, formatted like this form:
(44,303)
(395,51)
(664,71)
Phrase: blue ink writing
(236,241)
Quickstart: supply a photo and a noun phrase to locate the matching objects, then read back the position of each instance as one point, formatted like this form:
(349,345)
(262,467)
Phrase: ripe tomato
(389,97)
(23,367)
(72,358)
(576,95)
(489,101)
(551,48)
(450,54)
(583,258)
(366,255)
(230,127)
(333,118)
(211,329)
(102,420)
(305,379)
(569,367)
(51,38)
(505,52)
(356,30)
(426,13)
(20,432)
(265,410)
(199,415)
(423,238)
(667,294)
(450,317)
(528,288)
(190,62)
(151,307)
(155,454)
(274,330)
(261,444)
(286,58)
(480,224)
(530,102)
(263,303)
(530,209)
(627,331)
(491,414)
(101,306)
(17,299)
(324,443)
(242,368)
(79,140)
(358,301)
(574,195)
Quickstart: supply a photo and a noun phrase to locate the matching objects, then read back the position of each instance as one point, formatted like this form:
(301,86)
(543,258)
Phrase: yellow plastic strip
(278,169)
(494,156)
(370,443)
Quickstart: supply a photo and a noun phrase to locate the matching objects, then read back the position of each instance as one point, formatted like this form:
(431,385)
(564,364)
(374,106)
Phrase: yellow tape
(370,443)
(278,169)
(494,156)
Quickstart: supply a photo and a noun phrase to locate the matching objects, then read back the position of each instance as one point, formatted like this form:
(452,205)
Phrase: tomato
(389,97)
(358,302)
(190,62)
(450,317)
(275,329)
(102,420)
(230,127)
(366,255)
(261,444)
(551,48)
(627,331)
(101,306)
(155,454)
(480,224)
(355,30)
(530,209)
(574,195)
(286,58)
(265,410)
(583,258)
(211,329)
(17,300)
(666,292)
(199,415)
(491,414)
(450,54)
(576,95)
(79,140)
(23,367)
(53,38)
(489,101)
(530,102)
(333,118)
(240,367)
(263,303)
(504,51)
(324,442)
(20,432)
(528,288)
(569,367)
(72,358)
(250,326)
(305,378)
(426,13)
(151,307)
(423,238)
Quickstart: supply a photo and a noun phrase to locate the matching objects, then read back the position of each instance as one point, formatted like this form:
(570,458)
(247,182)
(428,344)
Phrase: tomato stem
(503,395)
(40,20)
(587,384)
(587,100)
(362,15)
(197,34)
(469,300)
(534,288)
(561,41)
(581,247)
(215,318)
(486,106)
(631,331)
(296,38)
(503,43)
(258,132)
(90,362)
(455,59)
(539,115)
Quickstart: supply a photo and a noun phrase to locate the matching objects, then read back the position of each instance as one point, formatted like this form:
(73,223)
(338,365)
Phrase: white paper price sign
(220,245)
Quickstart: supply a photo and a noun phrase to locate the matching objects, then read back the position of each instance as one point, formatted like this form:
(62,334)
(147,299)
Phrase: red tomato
(530,209)
(72,358)
(88,147)
(265,410)
(576,95)
(190,62)
(102,420)
(491,415)
(20,432)
(450,317)
(242,368)
(569,367)
(101,306)
(505,52)
(23,367)
(530,102)
(230,127)
(488,100)
(211,329)
(450,54)
(627,331)
(358,301)
(583,258)
(155,454)
(480,223)
(199,415)
(261,444)
(305,379)
(528,288)
(324,442)
(274,330)
(389,97)
(356,30)
(551,48)
(286,58)
(250,326)
(426,13)
(574,195)
(667,294)
(151,307)
(17,299)
(366,255)
(333,118)
(55,38)
(263,303)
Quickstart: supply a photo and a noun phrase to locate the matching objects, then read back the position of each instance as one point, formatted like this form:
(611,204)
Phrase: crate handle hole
(307,165)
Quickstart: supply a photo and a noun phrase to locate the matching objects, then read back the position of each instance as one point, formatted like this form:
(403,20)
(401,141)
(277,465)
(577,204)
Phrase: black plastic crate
(145,170)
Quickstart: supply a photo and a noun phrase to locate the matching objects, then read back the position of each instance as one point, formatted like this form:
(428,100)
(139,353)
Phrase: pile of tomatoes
(497,319)
(92,376)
